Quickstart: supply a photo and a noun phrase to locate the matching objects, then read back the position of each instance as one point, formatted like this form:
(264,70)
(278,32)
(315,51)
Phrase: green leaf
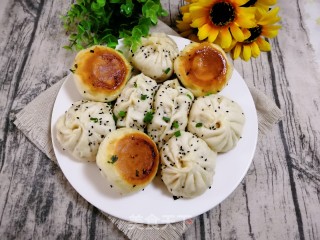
(101,3)
(67,47)
(150,10)
(81,30)
(126,9)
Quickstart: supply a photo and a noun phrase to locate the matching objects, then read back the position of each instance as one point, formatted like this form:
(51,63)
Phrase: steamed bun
(172,104)
(188,165)
(134,102)
(155,56)
(218,121)
(83,127)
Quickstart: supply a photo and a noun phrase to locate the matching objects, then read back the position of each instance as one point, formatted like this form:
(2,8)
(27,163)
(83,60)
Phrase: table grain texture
(279,198)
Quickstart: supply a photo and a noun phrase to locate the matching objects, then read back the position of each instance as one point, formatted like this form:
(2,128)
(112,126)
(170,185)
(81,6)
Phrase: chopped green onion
(94,119)
(166,119)
(114,158)
(199,124)
(122,114)
(148,117)
(175,124)
(177,133)
(167,70)
(189,96)
(144,97)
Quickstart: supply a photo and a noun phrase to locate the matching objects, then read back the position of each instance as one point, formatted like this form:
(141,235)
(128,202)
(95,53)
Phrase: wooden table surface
(279,198)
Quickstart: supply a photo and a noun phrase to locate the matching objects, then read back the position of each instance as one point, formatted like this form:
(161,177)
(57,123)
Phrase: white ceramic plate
(155,205)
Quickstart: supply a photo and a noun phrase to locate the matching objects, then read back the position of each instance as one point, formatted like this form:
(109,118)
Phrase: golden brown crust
(203,68)
(129,159)
(101,73)
(138,158)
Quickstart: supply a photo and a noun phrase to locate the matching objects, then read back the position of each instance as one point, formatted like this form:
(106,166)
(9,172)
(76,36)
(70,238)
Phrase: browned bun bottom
(129,159)
(203,68)
(100,73)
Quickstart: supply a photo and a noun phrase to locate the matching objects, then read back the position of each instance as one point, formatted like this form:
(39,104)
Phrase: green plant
(103,22)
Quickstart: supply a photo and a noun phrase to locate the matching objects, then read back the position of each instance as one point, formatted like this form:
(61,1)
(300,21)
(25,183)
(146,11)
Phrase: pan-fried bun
(203,68)
(100,73)
(129,159)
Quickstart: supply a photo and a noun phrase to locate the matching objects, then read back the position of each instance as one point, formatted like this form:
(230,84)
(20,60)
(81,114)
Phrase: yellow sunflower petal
(186,34)
(199,22)
(261,9)
(213,33)
(270,17)
(204,3)
(236,51)
(268,2)
(182,26)
(233,43)
(204,31)
(255,50)
(198,13)
(184,9)
(196,7)
(269,33)
(263,44)
(236,33)
(226,38)
(187,18)
(246,33)
(240,2)
(246,52)
(246,17)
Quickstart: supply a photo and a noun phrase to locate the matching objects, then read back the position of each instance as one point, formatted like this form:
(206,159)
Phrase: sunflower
(253,45)
(219,20)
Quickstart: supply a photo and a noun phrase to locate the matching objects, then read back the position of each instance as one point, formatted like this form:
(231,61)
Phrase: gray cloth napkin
(35,122)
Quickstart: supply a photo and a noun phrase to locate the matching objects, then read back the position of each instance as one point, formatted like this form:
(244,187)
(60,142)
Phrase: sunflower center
(255,33)
(222,13)
(249,3)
